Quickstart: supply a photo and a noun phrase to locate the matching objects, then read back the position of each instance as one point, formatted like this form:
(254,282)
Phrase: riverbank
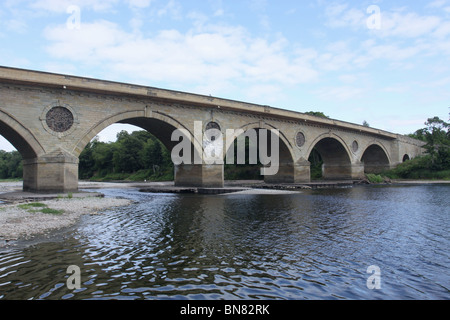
(21,221)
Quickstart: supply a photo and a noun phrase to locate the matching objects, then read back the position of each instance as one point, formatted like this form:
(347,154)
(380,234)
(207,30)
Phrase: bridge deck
(52,80)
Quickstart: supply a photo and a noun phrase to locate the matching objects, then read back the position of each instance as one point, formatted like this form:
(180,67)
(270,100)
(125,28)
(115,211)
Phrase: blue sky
(384,62)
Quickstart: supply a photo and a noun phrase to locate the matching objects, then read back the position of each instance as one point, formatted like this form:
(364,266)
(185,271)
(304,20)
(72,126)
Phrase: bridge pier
(199,175)
(298,172)
(377,168)
(57,172)
(343,171)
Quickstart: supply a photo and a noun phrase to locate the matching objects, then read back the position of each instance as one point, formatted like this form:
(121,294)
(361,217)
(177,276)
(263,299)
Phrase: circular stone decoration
(212,125)
(355,146)
(300,139)
(59,119)
(210,134)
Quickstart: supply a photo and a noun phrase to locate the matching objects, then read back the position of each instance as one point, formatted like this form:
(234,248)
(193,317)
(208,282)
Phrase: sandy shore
(18,223)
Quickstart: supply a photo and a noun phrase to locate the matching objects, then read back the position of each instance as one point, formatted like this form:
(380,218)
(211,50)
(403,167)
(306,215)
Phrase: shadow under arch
(375,159)
(162,126)
(20,137)
(159,125)
(335,155)
(284,154)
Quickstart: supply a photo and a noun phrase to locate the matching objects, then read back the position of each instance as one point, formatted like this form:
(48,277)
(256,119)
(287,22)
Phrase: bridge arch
(158,124)
(20,137)
(286,158)
(286,152)
(375,158)
(162,126)
(336,156)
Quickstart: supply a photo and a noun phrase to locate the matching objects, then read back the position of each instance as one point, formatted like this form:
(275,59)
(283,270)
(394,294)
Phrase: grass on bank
(375,178)
(11,180)
(35,207)
(416,169)
(419,168)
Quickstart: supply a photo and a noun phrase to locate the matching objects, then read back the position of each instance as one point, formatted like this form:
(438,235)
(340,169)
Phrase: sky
(384,62)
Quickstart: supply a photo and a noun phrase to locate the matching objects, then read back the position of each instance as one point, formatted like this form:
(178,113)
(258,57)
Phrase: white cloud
(139,3)
(392,52)
(409,25)
(443,30)
(394,23)
(16,25)
(336,56)
(340,15)
(347,78)
(437,3)
(172,9)
(400,88)
(206,55)
(61,6)
(340,93)
(265,93)
(5,145)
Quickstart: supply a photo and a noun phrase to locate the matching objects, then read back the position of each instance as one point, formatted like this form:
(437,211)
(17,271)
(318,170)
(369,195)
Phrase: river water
(317,244)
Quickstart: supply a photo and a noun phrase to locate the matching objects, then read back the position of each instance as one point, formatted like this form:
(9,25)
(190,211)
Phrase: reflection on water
(313,245)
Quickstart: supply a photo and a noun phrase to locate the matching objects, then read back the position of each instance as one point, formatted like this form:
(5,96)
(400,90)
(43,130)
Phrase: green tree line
(140,156)
(10,165)
(435,164)
(133,156)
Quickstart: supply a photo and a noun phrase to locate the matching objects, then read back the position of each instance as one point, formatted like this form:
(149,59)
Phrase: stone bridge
(50,118)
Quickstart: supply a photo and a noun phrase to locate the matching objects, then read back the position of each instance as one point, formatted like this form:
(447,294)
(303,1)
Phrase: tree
(102,154)
(10,165)
(138,155)
(127,152)
(317,114)
(436,134)
(152,155)
(87,163)
(437,138)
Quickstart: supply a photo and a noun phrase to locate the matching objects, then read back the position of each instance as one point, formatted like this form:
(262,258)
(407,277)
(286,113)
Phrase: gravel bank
(17,223)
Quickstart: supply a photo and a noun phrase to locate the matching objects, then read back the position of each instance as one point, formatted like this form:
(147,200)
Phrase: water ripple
(314,245)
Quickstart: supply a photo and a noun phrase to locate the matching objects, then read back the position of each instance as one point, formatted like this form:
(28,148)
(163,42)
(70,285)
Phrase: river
(317,244)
